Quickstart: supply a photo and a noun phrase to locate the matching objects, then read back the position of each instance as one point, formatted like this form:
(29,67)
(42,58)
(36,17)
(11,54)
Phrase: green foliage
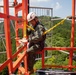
(37,65)
(50,60)
(4,71)
(74,63)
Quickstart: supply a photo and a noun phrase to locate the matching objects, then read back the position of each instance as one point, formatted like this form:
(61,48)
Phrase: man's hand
(22,41)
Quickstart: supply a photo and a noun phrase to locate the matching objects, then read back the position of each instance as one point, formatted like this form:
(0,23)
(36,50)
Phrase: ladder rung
(22,69)
(3,52)
(17,62)
(18,7)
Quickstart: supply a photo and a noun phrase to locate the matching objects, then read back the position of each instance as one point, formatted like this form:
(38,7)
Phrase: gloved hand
(22,41)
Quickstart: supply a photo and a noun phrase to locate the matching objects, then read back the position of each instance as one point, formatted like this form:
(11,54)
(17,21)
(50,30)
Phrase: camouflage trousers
(31,51)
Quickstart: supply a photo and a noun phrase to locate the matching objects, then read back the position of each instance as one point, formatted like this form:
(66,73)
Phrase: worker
(36,39)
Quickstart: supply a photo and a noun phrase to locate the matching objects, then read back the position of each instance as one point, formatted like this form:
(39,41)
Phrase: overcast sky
(61,8)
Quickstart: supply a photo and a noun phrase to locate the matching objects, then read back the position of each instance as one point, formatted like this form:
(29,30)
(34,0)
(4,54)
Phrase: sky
(61,8)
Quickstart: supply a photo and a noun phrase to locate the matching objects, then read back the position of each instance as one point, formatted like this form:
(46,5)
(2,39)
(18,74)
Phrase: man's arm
(38,34)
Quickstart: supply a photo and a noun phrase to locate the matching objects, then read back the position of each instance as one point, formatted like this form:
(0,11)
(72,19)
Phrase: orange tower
(13,65)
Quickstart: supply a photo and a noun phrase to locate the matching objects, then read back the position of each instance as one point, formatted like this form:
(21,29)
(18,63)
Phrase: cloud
(57,6)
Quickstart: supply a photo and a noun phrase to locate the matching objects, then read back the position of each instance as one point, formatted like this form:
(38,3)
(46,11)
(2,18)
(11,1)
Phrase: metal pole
(25,10)
(7,35)
(72,34)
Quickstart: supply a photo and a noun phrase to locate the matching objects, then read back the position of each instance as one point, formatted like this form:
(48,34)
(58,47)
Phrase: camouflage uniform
(36,43)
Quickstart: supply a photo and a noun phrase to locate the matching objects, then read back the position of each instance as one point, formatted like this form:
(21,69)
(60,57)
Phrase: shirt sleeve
(38,36)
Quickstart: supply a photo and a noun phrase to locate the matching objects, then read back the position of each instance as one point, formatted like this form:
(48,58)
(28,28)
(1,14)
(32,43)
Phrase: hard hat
(31,16)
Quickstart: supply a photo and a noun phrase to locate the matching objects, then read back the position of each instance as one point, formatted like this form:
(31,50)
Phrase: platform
(54,72)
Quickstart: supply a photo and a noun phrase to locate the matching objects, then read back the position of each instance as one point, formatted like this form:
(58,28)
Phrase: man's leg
(31,61)
(31,56)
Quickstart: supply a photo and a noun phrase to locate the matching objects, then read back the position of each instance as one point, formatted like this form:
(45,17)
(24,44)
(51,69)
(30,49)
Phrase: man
(36,39)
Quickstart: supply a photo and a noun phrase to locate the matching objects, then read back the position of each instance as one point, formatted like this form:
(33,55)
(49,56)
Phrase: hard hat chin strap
(35,20)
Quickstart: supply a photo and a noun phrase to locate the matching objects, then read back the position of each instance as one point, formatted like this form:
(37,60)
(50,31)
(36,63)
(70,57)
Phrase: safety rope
(25,28)
(30,27)
(59,23)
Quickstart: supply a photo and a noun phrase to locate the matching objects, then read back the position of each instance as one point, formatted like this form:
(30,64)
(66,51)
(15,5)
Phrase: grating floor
(54,72)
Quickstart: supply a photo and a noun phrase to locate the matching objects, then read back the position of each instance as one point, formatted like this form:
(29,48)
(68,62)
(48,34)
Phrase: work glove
(22,41)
